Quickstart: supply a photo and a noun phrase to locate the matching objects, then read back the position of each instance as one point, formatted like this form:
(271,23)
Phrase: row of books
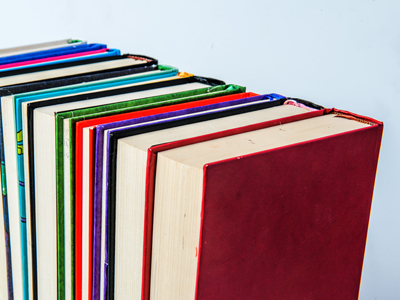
(126,179)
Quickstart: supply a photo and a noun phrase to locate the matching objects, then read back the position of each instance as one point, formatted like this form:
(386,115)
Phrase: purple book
(101,250)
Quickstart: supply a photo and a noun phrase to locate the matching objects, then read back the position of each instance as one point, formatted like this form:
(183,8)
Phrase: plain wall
(343,54)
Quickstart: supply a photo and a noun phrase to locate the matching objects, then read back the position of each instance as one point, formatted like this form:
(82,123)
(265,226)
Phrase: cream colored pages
(122,97)
(46,218)
(196,155)
(144,141)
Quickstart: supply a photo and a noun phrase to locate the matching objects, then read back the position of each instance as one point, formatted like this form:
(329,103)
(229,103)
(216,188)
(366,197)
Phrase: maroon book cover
(287,223)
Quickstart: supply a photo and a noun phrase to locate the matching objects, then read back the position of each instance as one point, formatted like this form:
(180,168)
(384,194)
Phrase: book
(89,161)
(39,188)
(267,213)
(119,240)
(15,187)
(39,47)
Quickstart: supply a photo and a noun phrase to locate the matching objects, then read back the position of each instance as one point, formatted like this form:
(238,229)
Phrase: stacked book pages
(126,179)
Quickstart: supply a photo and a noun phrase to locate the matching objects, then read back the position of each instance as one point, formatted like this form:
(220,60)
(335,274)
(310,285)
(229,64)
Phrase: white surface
(337,53)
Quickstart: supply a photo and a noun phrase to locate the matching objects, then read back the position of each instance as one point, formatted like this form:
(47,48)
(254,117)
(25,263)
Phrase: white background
(343,54)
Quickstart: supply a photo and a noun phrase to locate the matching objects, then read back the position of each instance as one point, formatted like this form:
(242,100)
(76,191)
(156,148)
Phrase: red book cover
(301,229)
(79,164)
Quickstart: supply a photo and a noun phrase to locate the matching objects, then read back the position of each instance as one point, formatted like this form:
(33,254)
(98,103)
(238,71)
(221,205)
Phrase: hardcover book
(270,212)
